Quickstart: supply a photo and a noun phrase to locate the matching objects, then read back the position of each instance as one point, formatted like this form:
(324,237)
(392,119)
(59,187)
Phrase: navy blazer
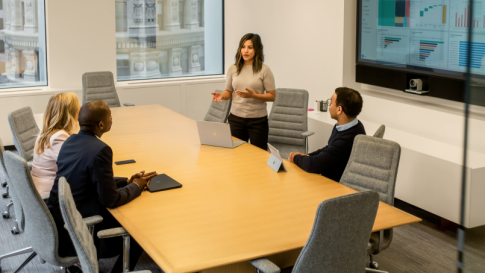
(331,160)
(87,164)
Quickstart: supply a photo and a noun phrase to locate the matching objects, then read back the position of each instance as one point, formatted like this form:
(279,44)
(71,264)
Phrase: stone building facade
(21,41)
(159,38)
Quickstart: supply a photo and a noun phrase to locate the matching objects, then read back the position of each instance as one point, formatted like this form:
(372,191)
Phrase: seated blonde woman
(60,121)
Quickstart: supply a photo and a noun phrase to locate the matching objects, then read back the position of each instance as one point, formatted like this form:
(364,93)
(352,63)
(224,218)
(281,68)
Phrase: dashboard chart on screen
(427,35)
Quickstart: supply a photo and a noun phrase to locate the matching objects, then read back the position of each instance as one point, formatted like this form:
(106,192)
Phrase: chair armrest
(112,232)
(93,220)
(128,104)
(264,265)
(307,133)
(45,196)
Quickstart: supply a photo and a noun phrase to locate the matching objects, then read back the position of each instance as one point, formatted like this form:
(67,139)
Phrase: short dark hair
(350,100)
(92,113)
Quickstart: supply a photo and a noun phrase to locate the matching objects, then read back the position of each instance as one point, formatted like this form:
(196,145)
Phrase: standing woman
(60,121)
(249,78)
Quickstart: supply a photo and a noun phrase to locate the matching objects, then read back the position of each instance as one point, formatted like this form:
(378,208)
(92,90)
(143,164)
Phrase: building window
(22,46)
(168,38)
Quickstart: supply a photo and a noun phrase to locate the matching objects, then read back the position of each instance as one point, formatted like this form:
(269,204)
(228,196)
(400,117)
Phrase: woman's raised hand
(246,94)
(216,96)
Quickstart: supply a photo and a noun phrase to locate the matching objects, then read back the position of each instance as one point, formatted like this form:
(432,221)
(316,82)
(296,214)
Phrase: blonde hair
(60,114)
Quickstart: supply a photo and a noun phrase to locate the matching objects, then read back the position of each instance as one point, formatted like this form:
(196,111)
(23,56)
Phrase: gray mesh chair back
(100,86)
(288,120)
(79,232)
(219,111)
(380,132)
(40,229)
(25,131)
(340,234)
(3,171)
(373,165)
(13,192)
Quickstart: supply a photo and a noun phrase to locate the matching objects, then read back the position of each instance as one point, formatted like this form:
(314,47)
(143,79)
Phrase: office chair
(80,234)
(3,175)
(288,121)
(40,229)
(219,111)
(101,86)
(24,131)
(380,132)
(373,165)
(339,237)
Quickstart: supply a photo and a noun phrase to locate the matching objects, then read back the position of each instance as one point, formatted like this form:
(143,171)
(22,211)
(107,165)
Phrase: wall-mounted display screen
(429,36)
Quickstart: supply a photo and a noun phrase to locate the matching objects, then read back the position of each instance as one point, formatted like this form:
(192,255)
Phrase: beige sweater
(259,82)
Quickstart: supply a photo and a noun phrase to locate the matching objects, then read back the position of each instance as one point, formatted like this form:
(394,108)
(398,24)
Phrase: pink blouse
(44,166)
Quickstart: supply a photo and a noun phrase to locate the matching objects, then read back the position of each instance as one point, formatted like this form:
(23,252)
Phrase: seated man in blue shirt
(331,160)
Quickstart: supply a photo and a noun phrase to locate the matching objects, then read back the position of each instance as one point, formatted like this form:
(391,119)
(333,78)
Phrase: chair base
(6,214)
(15,253)
(370,270)
(16,229)
(6,193)
(31,256)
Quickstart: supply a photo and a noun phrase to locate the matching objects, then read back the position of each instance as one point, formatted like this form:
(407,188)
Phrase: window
(22,46)
(168,38)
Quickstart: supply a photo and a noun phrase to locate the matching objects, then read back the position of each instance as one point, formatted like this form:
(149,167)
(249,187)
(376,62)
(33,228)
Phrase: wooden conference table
(232,207)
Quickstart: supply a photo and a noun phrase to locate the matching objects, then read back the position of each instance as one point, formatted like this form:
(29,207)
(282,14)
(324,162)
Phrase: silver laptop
(216,134)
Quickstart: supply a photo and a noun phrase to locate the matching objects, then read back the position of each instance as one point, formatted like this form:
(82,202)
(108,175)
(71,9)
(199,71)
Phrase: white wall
(302,40)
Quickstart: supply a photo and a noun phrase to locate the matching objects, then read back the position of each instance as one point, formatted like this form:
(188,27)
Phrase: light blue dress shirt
(348,125)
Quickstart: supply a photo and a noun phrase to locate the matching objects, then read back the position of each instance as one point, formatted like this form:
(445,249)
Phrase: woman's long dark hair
(258,53)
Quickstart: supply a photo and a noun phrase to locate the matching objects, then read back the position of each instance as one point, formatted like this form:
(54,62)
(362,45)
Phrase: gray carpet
(418,247)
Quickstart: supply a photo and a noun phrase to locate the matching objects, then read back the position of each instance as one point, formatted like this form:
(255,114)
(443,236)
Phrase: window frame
(182,77)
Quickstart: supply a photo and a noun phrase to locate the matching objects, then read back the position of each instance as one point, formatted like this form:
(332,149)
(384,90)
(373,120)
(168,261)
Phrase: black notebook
(163,182)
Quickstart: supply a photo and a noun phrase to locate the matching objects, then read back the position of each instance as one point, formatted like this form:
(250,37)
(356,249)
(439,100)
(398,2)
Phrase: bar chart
(459,53)
(429,49)
(394,13)
(429,14)
(461,17)
(393,45)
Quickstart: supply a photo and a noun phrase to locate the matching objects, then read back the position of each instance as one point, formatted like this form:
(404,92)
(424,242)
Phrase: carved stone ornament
(138,13)
(174,11)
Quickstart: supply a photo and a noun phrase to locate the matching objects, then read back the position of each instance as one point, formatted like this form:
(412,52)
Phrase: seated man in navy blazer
(331,160)
(87,164)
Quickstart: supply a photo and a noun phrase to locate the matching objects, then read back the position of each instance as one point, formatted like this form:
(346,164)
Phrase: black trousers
(254,129)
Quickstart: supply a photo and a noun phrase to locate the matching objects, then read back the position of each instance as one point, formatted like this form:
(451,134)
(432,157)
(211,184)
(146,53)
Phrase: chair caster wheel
(5,195)
(6,215)
(4,184)
(15,231)
(374,265)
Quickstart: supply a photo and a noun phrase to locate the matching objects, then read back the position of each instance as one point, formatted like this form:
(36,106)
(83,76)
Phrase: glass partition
(471,234)
(168,38)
